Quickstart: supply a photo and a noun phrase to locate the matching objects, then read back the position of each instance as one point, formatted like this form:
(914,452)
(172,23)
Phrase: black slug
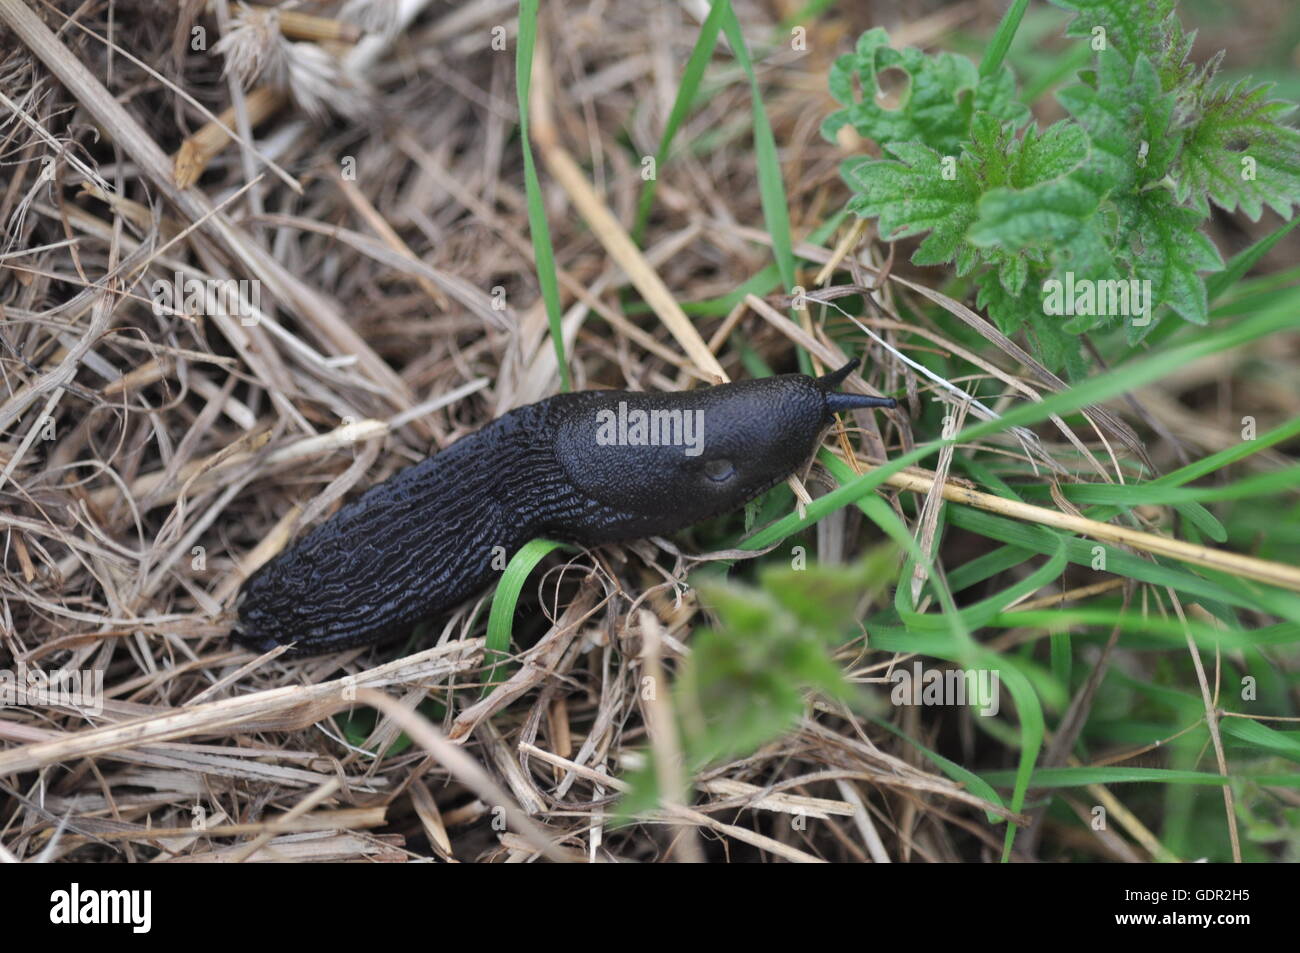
(591,467)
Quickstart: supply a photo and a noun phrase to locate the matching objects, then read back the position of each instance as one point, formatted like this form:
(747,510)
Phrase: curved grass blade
(502,615)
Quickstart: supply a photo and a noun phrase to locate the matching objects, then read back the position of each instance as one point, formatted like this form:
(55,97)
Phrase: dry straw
(359,161)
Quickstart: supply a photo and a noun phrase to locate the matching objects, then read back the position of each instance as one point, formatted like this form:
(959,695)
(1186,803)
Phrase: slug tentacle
(837,403)
(593,467)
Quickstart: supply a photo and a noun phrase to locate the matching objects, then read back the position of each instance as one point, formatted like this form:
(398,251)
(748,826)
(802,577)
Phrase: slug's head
(660,462)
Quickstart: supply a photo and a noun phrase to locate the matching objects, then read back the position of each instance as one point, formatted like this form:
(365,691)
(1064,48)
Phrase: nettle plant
(1092,222)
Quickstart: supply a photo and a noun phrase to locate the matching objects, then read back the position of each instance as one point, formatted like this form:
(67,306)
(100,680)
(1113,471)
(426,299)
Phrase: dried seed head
(254,48)
(319,83)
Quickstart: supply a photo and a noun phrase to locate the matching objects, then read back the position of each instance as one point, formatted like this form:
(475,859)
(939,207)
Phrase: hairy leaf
(1133,28)
(942,94)
(1239,154)
(913,196)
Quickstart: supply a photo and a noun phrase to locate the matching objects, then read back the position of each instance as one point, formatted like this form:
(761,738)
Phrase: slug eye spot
(719,471)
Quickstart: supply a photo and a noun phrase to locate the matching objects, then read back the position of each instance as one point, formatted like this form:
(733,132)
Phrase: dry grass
(366,172)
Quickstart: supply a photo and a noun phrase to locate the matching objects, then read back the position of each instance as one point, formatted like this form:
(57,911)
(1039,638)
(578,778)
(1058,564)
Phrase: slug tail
(409,549)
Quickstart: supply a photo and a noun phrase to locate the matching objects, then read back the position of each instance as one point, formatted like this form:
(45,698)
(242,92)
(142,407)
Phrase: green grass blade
(543,252)
(1259,735)
(957,645)
(686,93)
(1093,390)
(974,783)
(771,187)
(501,617)
(1040,539)
(1078,777)
(1244,260)
(996,51)
(1157,494)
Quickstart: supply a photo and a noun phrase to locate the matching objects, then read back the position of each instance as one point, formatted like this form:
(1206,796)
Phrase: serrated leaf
(1012,313)
(1041,206)
(1135,27)
(912,196)
(1098,201)
(1122,107)
(1170,251)
(1039,157)
(1009,311)
(1013,273)
(1047,214)
(1038,206)
(968,258)
(811,667)
(1239,154)
(1058,347)
(745,680)
(943,92)
(822,599)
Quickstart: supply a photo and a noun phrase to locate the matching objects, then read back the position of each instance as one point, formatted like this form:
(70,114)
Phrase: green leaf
(1010,311)
(1121,106)
(943,93)
(1168,250)
(745,681)
(734,694)
(1058,345)
(1239,154)
(822,600)
(1132,28)
(1111,202)
(913,196)
(1041,206)
(927,192)
(1130,123)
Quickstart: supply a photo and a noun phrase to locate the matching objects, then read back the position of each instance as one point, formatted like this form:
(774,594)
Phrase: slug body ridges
(591,467)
